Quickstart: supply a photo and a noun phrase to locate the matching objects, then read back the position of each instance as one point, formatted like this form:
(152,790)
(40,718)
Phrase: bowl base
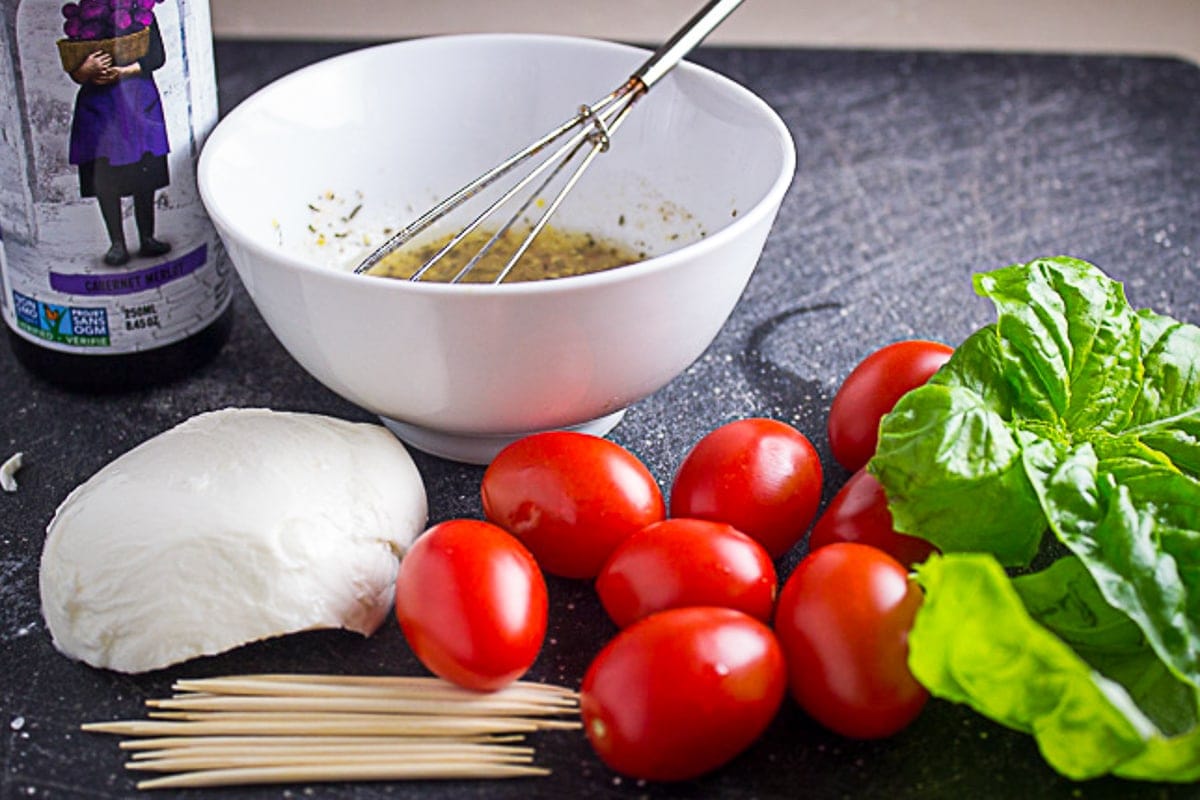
(481,448)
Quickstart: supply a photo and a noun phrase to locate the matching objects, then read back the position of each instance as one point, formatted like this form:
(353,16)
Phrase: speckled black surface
(914,170)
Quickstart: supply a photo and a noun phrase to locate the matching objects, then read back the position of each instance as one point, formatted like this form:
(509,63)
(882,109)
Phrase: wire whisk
(577,141)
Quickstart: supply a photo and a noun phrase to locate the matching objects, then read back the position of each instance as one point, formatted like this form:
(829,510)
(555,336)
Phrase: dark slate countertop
(914,171)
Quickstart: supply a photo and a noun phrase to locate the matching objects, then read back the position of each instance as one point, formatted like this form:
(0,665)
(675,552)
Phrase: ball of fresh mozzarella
(234,526)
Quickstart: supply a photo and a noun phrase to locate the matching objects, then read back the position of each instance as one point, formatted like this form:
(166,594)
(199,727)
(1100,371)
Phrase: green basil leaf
(1142,559)
(1067,331)
(970,465)
(1165,759)
(1166,416)
(1065,599)
(978,367)
(992,653)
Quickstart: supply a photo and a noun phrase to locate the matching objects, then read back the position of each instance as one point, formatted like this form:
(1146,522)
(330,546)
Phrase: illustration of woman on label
(118,132)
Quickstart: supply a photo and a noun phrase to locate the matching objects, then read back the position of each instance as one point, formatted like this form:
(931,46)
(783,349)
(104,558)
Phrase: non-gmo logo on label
(72,325)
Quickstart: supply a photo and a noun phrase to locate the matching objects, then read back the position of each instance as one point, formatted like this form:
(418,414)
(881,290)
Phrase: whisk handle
(684,41)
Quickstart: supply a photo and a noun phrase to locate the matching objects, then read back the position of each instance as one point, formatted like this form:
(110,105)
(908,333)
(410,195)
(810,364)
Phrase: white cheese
(235,526)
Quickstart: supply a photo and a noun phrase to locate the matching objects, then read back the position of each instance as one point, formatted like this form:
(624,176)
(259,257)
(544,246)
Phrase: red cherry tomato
(761,476)
(871,390)
(687,562)
(682,692)
(472,604)
(843,620)
(571,498)
(859,513)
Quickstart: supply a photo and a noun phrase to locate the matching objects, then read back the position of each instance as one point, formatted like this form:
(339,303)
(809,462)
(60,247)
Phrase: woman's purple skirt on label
(121,122)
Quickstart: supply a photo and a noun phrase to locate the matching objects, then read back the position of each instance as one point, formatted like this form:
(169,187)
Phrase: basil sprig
(1069,429)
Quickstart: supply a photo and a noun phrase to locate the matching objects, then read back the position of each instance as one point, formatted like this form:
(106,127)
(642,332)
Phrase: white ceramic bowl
(695,178)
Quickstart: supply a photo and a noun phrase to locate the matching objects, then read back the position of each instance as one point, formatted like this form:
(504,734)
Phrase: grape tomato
(872,389)
(859,513)
(761,476)
(472,604)
(682,692)
(571,498)
(842,620)
(687,562)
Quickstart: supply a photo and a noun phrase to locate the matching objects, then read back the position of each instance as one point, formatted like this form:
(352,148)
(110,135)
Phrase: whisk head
(569,150)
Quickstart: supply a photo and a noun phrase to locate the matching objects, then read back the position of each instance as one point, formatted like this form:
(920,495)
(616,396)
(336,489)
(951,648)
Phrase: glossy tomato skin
(842,620)
(761,476)
(859,513)
(571,498)
(872,389)
(682,692)
(687,562)
(472,604)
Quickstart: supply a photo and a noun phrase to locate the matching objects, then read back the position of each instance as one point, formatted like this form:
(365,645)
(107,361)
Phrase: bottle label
(106,244)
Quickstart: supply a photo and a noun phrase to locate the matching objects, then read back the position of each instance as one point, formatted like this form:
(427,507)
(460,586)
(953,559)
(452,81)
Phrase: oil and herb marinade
(555,253)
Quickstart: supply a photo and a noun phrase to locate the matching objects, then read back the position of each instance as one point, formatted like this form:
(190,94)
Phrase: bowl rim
(767,204)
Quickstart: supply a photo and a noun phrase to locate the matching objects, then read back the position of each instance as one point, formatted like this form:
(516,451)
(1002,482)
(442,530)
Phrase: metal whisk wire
(592,125)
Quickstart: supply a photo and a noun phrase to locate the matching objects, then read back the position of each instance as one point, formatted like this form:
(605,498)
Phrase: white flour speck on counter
(8,471)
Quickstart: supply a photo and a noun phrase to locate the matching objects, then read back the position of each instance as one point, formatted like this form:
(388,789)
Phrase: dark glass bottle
(111,275)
